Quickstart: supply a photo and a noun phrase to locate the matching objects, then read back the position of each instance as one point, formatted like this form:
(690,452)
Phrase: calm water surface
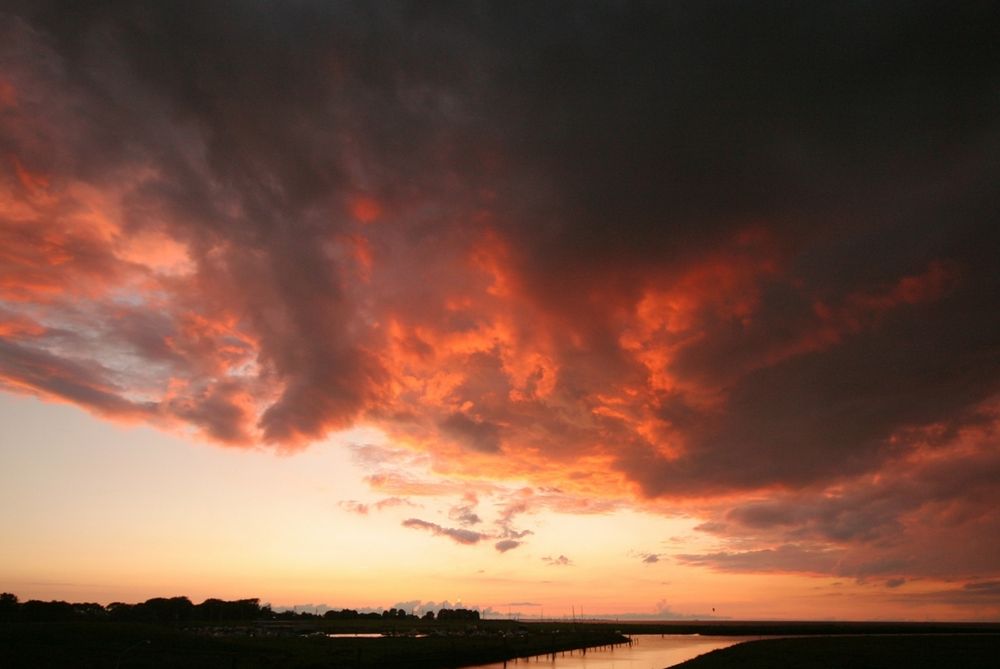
(648,651)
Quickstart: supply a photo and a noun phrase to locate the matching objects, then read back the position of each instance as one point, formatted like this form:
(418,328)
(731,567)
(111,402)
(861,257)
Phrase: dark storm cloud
(930,514)
(819,122)
(726,247)
(783,559)
(703,116)
(975,594)
(866,511)
(480,435)
(783,423)
(217,411)
(274,124)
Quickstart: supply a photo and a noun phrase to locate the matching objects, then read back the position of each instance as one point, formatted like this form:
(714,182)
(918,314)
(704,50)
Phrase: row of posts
(552,656)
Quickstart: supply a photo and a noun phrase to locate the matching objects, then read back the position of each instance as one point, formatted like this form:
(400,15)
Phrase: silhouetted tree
(89,610)
(457,614)
(343,614)
(173,610)
(8,606)
(240,609)
(120,611)
(39,611)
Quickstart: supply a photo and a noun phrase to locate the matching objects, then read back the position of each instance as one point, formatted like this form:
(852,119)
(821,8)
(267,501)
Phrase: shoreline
(252,644)
(976,650)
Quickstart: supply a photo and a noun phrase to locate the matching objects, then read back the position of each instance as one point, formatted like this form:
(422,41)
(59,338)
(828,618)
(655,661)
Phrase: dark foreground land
(304,644)
(296,646)
(937,651)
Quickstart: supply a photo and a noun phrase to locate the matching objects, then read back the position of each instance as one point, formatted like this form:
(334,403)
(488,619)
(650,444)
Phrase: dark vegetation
(937,651)
(174,632)
(164,610)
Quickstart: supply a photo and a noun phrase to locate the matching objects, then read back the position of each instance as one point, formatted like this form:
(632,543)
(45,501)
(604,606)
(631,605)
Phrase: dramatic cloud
(738,261)
(931,512)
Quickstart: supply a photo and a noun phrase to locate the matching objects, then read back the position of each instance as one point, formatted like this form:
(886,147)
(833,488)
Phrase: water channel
(647,651)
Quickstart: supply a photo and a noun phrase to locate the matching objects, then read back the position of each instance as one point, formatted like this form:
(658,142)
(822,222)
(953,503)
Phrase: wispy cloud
(558,561)
(390,502)
(461,536)
(463,513)
(354,506)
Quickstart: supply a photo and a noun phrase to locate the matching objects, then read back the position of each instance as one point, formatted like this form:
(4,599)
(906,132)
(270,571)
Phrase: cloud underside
(663,252)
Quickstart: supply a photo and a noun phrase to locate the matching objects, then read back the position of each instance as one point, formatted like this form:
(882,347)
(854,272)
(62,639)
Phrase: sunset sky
(677,309)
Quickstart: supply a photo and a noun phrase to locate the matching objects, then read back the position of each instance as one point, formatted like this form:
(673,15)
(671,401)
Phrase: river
(647,651)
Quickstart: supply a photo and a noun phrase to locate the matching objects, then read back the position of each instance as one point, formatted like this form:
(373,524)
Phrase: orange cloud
(8,94)
(366,209)
(14,327)
(34,183)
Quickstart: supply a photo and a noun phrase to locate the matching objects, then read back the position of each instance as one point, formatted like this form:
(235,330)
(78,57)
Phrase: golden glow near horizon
(93,511)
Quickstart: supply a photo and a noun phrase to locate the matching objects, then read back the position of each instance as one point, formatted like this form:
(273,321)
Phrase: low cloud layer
(455,534)
(736,260)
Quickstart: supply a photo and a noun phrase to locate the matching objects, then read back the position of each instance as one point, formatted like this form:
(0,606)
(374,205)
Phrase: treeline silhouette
(156,610)
(401,614)
(181,609)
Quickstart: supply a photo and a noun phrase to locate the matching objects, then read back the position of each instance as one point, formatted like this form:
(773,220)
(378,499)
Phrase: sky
(673,309)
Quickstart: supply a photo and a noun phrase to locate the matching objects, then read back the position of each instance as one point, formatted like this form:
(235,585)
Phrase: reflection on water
(648,651)
(370,635)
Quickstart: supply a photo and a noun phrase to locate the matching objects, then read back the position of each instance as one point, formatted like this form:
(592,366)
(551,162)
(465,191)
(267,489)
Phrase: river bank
(909,651)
